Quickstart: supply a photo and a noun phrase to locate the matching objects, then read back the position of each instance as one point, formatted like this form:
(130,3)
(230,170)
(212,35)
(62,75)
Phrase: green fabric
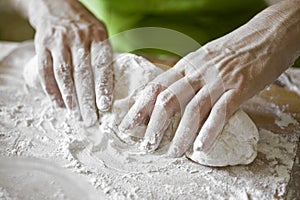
(202,20)
(297,63)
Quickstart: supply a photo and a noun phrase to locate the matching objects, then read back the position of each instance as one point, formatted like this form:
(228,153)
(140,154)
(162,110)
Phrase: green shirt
(199,20)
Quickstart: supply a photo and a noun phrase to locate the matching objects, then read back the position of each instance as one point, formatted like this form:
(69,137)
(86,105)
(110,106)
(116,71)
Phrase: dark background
(13,27)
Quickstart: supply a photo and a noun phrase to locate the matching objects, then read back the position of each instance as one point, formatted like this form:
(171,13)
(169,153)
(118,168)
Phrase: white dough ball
(236,145)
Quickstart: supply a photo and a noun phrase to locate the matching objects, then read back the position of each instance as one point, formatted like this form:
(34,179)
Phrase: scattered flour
(4,195)
(237,144)
(31,127)
(285,120)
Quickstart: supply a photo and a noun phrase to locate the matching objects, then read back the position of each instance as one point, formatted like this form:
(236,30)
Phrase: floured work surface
(30,127)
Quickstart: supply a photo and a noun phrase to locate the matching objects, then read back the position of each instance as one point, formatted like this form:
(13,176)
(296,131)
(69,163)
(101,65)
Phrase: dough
(30,73)
(236,145)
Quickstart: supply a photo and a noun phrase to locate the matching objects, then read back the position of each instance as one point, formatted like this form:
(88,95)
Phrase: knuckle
(44,64)
(219,110)
(101,54)
(165,98)
(192,107)
(81,55)
(81,70)
(50,36)
(180,66)
(62,70)
(150,92)
(59,34)
(223,109)
(100,32)
(80,37)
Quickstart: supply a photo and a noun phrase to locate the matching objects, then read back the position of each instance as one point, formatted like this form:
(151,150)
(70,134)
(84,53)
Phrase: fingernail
(122,126)
(90,120)
(174,152)
(104,103)
(125,126)
(89,113)
(150,144)
(147,146)
(199,146)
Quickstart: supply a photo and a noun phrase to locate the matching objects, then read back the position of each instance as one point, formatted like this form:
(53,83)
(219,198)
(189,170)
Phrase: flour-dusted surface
(30,127)
(32,178)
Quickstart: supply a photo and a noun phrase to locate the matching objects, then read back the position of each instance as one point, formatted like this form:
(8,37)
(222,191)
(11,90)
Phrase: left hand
(73,56)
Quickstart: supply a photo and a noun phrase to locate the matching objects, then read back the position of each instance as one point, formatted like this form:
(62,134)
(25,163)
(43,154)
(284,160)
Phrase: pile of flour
(31,127)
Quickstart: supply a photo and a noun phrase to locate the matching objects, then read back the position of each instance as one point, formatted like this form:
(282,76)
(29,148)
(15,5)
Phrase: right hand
(74,57)
(210,84)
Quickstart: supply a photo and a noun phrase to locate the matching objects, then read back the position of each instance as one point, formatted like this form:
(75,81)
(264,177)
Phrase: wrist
(275,32)
(40,11)
(285,21)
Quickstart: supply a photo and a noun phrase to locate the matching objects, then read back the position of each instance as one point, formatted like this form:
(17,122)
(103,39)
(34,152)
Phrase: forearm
(272,2)
(39,10)
(21,6)
(69,72)
(287,14)
(283,21)
(274,31)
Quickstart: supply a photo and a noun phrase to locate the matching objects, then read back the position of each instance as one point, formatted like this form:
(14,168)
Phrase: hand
(210,84)
(74,57)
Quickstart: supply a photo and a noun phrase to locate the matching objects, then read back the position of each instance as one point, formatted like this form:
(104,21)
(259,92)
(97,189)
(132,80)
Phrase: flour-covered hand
(74,57)
(208,85)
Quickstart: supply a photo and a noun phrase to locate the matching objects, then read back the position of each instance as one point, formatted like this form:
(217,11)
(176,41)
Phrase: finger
(46,76)
(103,74)
(194,115)
(218,117)
(84,84)
(168,102)
(64,79)
(143,107)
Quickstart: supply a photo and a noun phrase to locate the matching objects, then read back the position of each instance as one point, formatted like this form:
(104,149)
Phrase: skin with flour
(207,85)
(74,68)
(210,84)
(32,128)
(131,73)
